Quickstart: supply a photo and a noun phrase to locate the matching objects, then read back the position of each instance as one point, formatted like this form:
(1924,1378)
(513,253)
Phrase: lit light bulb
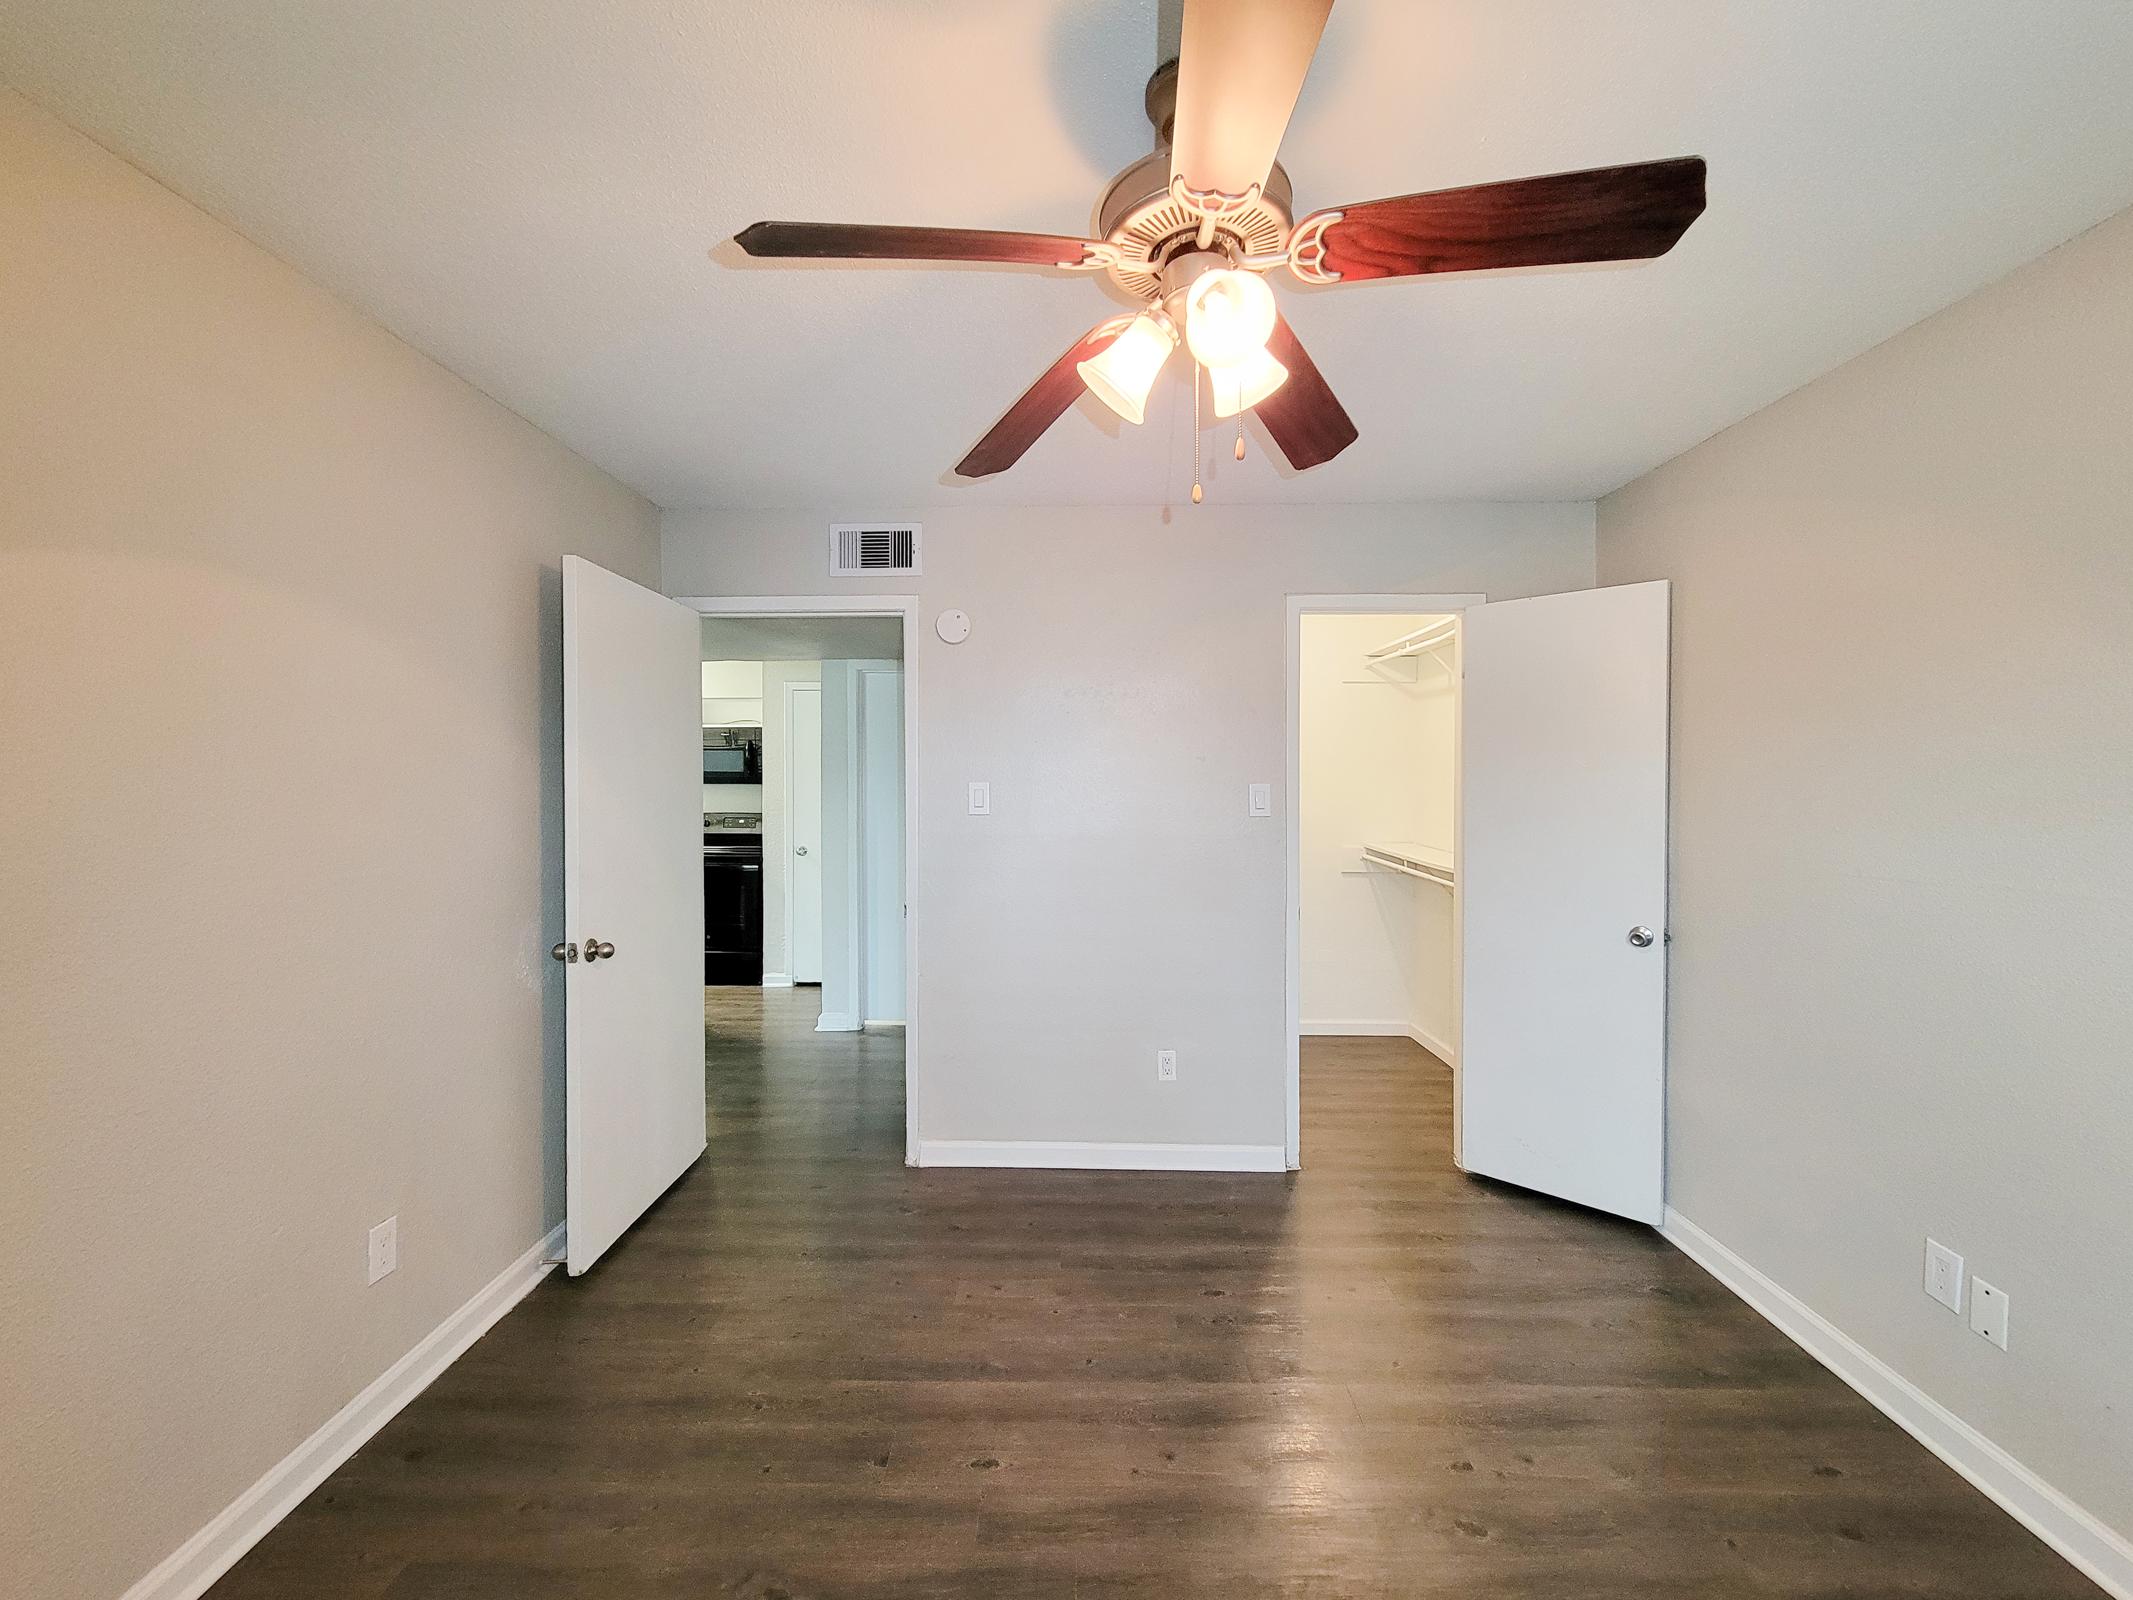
(1242,386)
(1228,315)
(1121,374)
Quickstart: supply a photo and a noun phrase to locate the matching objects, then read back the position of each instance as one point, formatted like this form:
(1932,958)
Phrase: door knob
(799,849)
(599,950)
(1640,937)
(564,952)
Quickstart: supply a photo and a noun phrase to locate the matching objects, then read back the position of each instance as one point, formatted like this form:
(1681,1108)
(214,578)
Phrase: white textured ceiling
(528,189)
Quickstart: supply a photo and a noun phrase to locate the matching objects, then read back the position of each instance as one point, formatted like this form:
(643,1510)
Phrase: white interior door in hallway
(633,904)
(803,831)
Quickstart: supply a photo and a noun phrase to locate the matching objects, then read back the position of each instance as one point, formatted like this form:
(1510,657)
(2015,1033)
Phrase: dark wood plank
(814,1372)
(1302,417)
(855,241)
(1042,404)
(1606,214)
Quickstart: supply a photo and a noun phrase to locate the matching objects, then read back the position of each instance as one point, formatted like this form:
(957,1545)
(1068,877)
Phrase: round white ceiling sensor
(952,626)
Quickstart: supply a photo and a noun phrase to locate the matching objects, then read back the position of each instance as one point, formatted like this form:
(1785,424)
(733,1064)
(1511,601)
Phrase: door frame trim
(906,608)
(1292,844)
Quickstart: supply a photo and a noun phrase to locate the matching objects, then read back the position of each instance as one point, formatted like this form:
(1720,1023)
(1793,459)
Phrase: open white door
(1562,886)
(633,902)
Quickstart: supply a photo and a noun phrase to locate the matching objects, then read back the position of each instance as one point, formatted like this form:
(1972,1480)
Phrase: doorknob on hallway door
(1640,937)
(599,950)
(799,849)
(564,951)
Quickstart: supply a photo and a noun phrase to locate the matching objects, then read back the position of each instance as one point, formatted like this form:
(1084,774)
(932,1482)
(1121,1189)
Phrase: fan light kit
(1190,232)
(1123,372)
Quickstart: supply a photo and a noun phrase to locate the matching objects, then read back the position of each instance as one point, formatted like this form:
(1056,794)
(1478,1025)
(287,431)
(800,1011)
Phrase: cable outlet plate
(1988,1312)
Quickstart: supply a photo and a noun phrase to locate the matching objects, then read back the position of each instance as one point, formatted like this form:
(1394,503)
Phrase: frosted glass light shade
(1228,315)
(1240,387)
(1121,374)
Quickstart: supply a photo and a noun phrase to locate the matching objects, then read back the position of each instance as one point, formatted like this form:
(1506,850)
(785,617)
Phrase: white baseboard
(777,980)
(1377,1028)
(1102,1157)
(836,1022)
(188,1570)
(2102,1553)
(1440,1048)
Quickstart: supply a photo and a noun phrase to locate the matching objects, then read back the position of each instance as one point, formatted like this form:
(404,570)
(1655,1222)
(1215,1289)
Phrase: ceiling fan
(1192,230)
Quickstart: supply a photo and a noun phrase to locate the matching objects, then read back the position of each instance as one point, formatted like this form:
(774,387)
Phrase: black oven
(733,904)
(733,755)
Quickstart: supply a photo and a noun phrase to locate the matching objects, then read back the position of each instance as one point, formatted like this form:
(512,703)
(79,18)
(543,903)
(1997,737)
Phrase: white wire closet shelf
(1424,861)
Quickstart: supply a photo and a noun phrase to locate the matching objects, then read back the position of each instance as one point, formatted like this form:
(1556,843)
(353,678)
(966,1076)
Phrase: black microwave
(733,755)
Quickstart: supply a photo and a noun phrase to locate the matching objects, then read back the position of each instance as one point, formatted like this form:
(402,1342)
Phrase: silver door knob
(564,952)
(599,950)
(1640,937)
(799,849)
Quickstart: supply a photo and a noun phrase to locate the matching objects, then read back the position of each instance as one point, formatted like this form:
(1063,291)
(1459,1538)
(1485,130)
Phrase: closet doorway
(1476,863)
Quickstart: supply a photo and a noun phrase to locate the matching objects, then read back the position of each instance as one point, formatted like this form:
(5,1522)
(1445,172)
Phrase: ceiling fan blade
(1302,417)
(1241,64)
(1041,405)
(1606,214)
(857,241)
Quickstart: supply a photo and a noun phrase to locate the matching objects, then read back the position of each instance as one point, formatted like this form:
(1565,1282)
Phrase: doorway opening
(809,827)
(1477,862)
(1373,836)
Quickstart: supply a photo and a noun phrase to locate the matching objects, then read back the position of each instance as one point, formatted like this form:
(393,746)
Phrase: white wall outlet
(384,1248)
(981,799)
(1944,1275)
(1260,798)
(1988,1312)
(1166,1066)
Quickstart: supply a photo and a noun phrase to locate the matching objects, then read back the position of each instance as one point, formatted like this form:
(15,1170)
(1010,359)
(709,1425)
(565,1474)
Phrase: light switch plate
(1260,798)
(1988,1312)
(1944,1275)
(981,799)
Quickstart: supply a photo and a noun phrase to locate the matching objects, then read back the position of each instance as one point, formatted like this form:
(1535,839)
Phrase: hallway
(813,1372)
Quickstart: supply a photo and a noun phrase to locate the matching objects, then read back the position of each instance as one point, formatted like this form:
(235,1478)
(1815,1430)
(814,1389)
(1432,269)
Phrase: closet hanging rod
(1429,636)
(1415,861)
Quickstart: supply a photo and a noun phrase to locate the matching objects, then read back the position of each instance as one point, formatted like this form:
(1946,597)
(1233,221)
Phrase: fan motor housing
(1139,215)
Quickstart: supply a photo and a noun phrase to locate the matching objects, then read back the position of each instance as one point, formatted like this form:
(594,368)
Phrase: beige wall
(277,704)
(1121,687)
(1903,846)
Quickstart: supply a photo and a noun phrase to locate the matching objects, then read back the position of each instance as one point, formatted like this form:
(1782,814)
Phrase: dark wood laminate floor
(812,1372)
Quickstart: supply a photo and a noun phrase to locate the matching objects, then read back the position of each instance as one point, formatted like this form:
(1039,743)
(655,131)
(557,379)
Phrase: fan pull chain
(1196,434)
(1240,436)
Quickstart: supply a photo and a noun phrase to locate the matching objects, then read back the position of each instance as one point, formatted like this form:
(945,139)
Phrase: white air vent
(861,549)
